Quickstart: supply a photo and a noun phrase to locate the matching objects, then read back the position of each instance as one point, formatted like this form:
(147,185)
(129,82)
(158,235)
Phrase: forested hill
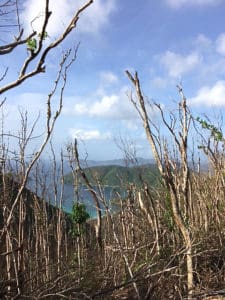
(113,175)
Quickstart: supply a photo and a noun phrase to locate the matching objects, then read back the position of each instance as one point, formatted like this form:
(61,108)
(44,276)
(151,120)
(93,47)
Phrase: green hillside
(119,175)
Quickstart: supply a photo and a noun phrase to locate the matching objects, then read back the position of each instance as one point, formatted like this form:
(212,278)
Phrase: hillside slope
(112,175)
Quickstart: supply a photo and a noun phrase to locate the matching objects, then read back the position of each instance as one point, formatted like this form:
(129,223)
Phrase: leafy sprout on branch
(215,132)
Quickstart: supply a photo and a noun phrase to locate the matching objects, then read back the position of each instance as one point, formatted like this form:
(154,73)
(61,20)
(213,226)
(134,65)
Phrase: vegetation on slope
(114,176)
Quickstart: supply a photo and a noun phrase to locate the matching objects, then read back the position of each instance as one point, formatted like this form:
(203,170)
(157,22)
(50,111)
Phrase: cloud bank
(210,95)
(93,19)
(220,44)
(87,135)
(176,4)
(177,64)
(114,106)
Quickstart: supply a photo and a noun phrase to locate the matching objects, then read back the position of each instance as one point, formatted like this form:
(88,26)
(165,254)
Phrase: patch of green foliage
(32,43)
(79,216)
(215,132)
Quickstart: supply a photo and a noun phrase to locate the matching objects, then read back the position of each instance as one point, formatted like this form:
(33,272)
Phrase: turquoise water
(86,198)
(47,192)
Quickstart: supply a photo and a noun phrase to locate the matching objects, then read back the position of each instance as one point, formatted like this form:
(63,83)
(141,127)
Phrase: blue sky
(166,41)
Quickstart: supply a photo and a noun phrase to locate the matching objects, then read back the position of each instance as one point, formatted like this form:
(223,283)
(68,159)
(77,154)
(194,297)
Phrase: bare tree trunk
(176,178)
(153,223)
(98,227)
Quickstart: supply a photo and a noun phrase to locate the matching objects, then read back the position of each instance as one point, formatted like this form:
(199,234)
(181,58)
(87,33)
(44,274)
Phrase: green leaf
(44,36)
(32,44)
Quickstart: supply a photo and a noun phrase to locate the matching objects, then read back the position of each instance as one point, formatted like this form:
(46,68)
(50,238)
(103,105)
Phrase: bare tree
(15,200)
(174,170)
(98,228)
(38,51)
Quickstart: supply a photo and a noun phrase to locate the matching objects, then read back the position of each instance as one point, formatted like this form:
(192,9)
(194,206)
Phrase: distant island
(117,175)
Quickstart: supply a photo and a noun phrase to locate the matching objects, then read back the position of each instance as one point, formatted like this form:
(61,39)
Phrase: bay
(56,193)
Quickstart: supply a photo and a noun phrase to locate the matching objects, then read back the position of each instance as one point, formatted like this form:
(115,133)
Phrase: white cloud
(88,134)
(202,41)
(212,54)
(177,64)
(210,96)
(80,109)
(97,16)
(180,3)
(220,44)
(114,106)
(104,106)
(131,125)
(100,108)
(159,82)
(108,78)
(92,20)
